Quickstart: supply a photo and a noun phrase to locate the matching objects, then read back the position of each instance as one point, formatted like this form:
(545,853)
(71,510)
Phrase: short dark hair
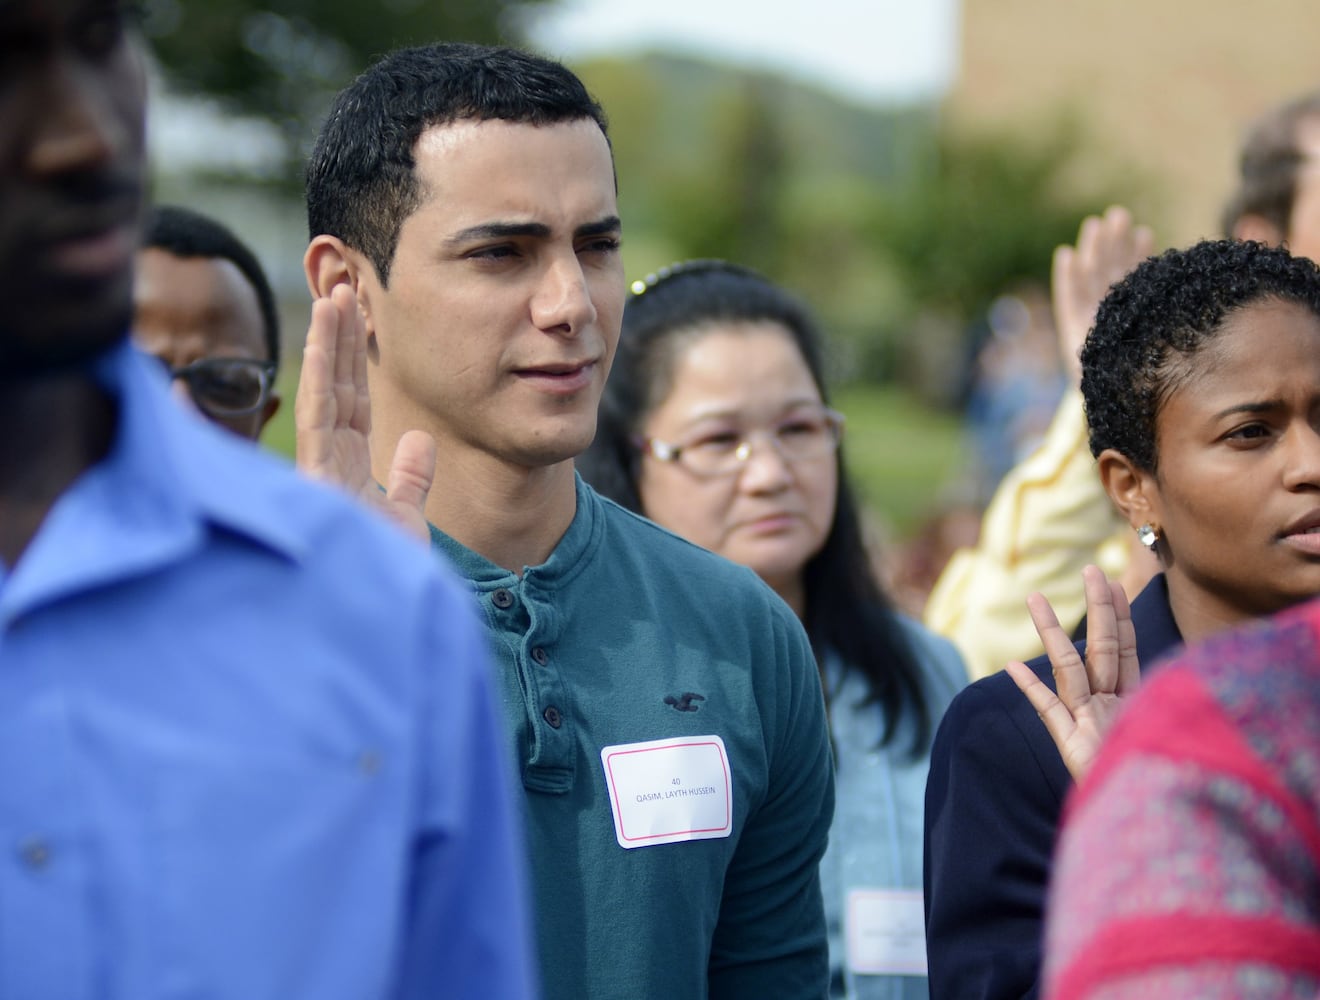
(361,183)
(1152,325)
(847,614)
(1268,165)
(185,233)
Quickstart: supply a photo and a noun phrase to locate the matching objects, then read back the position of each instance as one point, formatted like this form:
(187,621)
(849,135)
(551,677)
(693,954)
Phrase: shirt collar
(168,480)
(568,558)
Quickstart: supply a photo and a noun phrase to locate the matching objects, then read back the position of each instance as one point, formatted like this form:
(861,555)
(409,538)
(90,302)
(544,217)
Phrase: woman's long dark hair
(847,611)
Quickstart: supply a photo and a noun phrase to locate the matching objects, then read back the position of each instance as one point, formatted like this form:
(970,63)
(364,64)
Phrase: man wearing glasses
(203,307)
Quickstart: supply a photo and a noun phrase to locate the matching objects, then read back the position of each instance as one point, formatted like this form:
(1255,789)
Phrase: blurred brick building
(1167,85)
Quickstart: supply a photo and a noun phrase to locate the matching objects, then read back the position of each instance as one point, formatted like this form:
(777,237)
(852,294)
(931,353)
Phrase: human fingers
(1129,667)
(1058,720)
(314,402)
(1070,326)
(1069,671)
(409,483)
(1101,633)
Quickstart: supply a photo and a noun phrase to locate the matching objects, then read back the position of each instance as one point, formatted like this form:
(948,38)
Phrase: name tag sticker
(667,791)
(886,932)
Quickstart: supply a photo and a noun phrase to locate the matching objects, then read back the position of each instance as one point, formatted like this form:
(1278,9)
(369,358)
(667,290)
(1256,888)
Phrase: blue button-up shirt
(247,745)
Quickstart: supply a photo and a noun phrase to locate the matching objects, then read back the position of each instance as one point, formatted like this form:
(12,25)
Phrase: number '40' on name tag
(667,791)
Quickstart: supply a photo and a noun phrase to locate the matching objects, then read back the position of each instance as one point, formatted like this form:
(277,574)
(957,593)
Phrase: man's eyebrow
(609,224)
(497,231)
(539,230)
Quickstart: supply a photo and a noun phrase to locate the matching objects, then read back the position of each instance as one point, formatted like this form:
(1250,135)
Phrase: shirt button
(553,717)
(502,599)
(540,656)
(34,853)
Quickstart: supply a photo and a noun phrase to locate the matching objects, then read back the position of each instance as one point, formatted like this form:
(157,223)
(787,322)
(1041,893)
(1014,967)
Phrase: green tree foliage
(983,213)
(898,229)
(284,59)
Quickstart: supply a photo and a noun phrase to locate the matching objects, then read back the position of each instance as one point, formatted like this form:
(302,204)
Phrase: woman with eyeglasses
(715,424)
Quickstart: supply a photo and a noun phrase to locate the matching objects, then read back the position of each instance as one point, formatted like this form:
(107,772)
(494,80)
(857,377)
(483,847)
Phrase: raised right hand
(332,415)
(1091,691)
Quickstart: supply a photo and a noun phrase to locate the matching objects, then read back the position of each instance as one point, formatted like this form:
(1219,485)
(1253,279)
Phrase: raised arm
(332,414)
(1050,516)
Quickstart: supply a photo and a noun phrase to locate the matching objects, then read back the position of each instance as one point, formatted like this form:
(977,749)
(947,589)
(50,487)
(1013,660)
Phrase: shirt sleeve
(991,817)
(1048,519)
(770,940)
(468,925)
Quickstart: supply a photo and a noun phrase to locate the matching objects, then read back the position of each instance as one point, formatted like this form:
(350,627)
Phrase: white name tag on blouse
(886,932)
(668,791)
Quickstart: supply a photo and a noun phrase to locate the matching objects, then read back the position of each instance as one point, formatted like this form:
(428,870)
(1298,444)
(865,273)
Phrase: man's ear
(1256,227)
(329,262)
(1133,491)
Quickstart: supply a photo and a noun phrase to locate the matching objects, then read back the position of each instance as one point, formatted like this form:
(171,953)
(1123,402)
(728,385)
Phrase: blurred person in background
(1050,515)
(1015,388)
(715,424)
(1201,381)
(203,306)
(218,776)
(1277,200)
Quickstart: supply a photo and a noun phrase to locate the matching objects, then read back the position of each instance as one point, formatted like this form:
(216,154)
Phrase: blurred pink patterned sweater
(1189,865)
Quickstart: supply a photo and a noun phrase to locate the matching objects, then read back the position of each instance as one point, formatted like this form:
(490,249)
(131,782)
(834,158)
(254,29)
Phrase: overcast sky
(884,51)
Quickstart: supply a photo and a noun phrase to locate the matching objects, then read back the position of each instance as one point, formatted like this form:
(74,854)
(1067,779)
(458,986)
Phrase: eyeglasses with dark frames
(226,387)
(799,437)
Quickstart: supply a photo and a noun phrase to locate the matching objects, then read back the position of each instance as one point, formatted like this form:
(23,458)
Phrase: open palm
(332,414)
(1091,690)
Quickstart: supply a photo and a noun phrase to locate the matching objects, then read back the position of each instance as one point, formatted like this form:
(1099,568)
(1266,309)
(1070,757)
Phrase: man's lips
(566,377)
(93,254)
(87,237)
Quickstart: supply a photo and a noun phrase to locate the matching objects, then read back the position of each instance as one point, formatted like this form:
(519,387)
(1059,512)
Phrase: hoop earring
(1148,536)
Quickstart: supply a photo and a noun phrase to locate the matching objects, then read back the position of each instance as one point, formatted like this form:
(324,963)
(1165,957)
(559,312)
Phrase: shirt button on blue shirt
(502,599)
(34,853)
(553,717)
(540,656)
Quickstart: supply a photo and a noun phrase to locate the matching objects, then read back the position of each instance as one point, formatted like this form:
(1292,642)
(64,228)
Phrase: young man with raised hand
(663,704)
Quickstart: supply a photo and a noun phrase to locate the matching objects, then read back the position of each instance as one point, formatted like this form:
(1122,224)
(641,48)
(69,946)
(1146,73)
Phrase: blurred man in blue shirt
(219,776)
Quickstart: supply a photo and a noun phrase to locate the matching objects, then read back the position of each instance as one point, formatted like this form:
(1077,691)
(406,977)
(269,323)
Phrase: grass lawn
(900,453)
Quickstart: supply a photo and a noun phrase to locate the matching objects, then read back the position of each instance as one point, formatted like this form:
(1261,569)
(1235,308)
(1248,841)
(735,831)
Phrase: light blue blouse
(875,841)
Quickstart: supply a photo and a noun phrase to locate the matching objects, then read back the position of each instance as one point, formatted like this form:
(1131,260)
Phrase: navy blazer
(993,800)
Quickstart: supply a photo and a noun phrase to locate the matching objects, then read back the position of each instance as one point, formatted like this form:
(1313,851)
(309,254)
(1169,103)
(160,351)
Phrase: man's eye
(493,253)
(610,244)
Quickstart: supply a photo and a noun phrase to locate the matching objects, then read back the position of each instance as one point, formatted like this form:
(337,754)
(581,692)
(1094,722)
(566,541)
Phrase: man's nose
(563,300)
(78,129)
